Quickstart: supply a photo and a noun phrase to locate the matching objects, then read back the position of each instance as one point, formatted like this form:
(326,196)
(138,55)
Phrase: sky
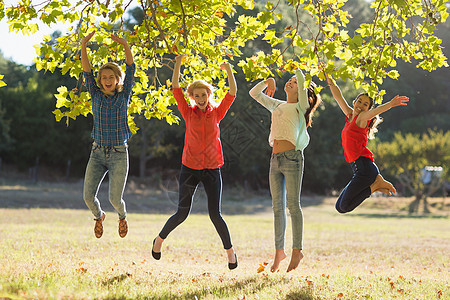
(19,47)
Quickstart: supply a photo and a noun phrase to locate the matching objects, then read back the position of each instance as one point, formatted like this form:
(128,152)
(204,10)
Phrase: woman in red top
(360,125)
(202,155)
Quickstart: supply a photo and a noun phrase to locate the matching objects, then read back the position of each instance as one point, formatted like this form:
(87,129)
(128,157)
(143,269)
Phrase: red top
(354,140)
(202,147)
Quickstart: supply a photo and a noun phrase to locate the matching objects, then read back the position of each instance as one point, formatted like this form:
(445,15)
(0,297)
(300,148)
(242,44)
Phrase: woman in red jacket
(202,155)
(360,125)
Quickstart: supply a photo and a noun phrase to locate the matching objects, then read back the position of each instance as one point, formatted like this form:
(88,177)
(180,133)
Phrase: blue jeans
(212,182)
(111,160)
(358,189)
(285,180)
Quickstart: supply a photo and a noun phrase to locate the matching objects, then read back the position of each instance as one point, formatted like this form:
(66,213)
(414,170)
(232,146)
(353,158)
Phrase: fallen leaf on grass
(81,270)
(261,268)
(340,295)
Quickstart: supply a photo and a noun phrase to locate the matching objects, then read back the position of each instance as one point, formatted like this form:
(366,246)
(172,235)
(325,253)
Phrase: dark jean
(212,182)
(358,189)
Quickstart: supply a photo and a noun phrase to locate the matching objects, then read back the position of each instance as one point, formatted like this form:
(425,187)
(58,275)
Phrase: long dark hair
(375,121)
(314,101)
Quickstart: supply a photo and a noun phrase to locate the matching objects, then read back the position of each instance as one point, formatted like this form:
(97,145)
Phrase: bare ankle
(296,257)
(279,256)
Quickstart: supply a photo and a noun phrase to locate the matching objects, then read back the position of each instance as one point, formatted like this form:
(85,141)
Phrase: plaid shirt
(111,112)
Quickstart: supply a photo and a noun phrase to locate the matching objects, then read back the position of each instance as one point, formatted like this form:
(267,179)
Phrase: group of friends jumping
(202,155)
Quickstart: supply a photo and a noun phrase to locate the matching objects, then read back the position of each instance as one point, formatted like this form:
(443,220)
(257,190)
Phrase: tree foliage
(28,131)
(318,37)
(407,155)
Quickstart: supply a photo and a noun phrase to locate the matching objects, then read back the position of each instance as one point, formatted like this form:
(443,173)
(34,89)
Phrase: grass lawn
(375,252)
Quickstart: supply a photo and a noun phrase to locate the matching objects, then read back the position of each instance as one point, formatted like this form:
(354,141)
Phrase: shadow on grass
(303,294)
(115,279)
(396,216)
(245,287)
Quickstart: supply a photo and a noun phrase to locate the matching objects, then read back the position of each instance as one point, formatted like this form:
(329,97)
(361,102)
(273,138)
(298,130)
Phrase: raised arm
(396,101)
(302,92)
(231,80)
(337,94)
(176,71)
(84,57)
(128,55)
(265,99)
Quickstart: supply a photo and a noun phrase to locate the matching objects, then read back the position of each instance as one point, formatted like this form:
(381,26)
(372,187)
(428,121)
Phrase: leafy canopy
(317,40)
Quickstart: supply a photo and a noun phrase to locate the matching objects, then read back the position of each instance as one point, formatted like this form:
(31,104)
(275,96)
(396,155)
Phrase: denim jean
(212,182)
(358,189)
(285,180)
(114,161)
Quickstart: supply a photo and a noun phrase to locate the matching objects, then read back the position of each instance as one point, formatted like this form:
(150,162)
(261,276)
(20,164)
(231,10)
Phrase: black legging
(212,182)
(358,189)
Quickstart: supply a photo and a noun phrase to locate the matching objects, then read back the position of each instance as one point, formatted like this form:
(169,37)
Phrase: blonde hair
(117,72)
(201,84)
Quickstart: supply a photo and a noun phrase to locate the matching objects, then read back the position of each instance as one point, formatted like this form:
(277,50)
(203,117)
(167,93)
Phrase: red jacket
(354,140)
(202,147)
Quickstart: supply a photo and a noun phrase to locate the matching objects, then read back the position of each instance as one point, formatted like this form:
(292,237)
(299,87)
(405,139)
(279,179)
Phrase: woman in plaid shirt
(109,154)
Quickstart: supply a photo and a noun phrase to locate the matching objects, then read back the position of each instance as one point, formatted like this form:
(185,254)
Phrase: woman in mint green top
(288,138)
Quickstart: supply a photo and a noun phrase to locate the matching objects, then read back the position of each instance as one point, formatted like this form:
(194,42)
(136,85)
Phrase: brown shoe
(98,228)
(123,227)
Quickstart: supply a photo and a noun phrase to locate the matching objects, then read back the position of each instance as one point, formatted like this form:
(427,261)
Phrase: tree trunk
(34,171)
(69,163)
(426,209)
(143,155)
(414,206)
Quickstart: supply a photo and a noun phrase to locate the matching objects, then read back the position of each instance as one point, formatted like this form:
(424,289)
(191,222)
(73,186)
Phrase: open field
(48,249)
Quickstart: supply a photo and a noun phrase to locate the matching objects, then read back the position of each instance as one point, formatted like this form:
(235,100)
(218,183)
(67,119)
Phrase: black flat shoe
(156,255)
(232,266)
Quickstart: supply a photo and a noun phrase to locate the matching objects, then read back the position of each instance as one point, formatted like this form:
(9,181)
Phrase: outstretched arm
(337,94)
(271,86)
(84,57)
(302,92)
(128,55)
(231,80)
(396,101)
(265,99)
(176,71)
